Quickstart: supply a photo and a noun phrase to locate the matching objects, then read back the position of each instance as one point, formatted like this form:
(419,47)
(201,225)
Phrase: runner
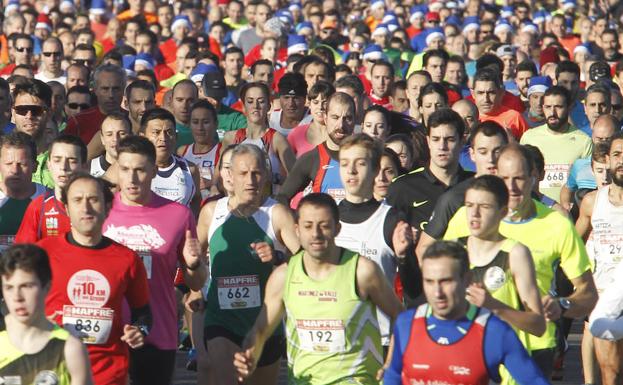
(162,233)
(430,342)
(600,216)
(114,128)
(336,341)
(139,97)
(93,276)
(239,270)
(46,215)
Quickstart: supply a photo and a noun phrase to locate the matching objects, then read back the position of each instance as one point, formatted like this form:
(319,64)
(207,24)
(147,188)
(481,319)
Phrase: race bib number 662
(239,292)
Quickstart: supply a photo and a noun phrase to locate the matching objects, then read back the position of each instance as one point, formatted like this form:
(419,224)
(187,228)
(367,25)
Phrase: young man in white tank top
(114,128)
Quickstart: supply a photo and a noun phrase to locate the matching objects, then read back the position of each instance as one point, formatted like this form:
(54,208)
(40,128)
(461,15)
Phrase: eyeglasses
(25,109)
(24,49)
(55,54)
(78,106)
(84,62)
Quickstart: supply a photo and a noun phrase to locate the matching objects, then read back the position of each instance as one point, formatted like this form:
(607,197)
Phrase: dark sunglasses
(76,106)
(34,110)
(22,49)
(55,54)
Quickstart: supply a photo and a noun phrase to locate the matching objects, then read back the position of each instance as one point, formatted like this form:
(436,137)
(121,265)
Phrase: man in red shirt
(382,83)
(109,83)
(45,215)
(93,275)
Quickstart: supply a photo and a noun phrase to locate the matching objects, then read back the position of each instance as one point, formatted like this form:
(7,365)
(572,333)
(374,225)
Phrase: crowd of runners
(364,192)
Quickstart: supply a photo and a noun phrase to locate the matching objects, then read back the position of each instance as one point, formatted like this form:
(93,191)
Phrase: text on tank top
(607,238)
(175,182)
(204,161)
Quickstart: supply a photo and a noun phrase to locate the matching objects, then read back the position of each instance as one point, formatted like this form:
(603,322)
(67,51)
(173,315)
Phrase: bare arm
(583,224)
(78,363)
(282,147)
(283,224)
(373,285)
(95,147)
(423,244)
(203,226)
(584,297)
(566,197)
(195,203)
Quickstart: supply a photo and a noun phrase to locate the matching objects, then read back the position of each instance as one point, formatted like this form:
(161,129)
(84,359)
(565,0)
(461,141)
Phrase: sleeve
(573,257)
(445,208)
(391,220)
(72,127)
(572,180)
(588,148)
(457,226)
(240,122)
(137,293)
(299,176)
(511,353)
(606,321)
(27,232)
(402,331)
(397,200)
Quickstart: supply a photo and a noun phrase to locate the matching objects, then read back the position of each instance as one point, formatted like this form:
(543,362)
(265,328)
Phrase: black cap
(293,84)
(599,70)
(213,85)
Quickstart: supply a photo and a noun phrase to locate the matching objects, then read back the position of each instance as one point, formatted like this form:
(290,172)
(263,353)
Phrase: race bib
(321,336)
(147,261)
(92,325)
(337,193)
(6,241)
(555,175)
(241,292)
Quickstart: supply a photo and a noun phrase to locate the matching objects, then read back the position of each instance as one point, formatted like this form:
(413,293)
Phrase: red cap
(432,16)
(549,55)
(44,21)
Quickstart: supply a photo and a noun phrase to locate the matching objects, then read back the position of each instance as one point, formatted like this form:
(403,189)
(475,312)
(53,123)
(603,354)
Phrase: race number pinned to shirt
(555,175)
(321,336)
(240,292)
(6,241)
(147,261)
(91,325)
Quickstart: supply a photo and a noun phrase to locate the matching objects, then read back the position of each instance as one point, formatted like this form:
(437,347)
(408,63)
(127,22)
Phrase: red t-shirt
(163,72)
(44,217)
(85,124)
(6,70)
(367,84)
(169,51)
(88,289)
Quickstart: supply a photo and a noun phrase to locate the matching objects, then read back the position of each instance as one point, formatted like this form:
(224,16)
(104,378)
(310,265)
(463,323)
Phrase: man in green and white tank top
(32,349)
(329,296)
(504,279)
(245,235)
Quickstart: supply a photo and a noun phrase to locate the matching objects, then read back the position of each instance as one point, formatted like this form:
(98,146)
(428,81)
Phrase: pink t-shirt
(156,232)
(298,140)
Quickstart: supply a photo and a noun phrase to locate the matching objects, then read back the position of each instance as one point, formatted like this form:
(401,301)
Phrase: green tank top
(48,366)
(238,277)
(333,335)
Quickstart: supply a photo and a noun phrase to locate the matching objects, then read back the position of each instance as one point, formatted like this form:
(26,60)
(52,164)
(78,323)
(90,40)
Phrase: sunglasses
(25,109)
(55,54)
(84,62)
(24,49)
(78,106)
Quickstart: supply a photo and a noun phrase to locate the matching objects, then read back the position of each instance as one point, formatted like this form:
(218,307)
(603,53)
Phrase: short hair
(319,200)
(86,47)
(18,139)
(383,63)
(183,82)
(522,151)
(560,91)
(247,86)
(153,39)
(440,53)
(14,37)
(156,114)
(260,62)
(139,84)
(102,185)
(352,82)
(73,141)
(233,50)
(136,144)
(258,154)
(398,85)
(374,147)
(450,249)
(81,90)
(493,185)
(527,66)
(611,31)
(446,116)
(489,128)
(343,68)
(598,88)
(109,68)
(490,60)
(600,151)
(81,67)
(618,135)
(36,88)
(432,88)
(26,257)
(118,117)
(567,66)
(321,88)
(488,75)
(342,98)
(536,156)
(424,73)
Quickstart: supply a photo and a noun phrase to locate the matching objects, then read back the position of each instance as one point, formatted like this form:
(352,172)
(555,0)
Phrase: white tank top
(367,239)
(175,182)
(205,161)
(607,244)
(275,163)
(99,166)
(274,121)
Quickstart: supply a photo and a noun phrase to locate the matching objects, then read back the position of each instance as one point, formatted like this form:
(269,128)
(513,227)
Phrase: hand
(380,373)
(402,239)
(551,308)
(132,336)
(192,250)
(263,250)
(244,363)
(195,301)
(477,295)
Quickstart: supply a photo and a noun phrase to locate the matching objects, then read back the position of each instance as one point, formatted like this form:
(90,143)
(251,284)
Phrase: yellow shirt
(551,238)
(559,151)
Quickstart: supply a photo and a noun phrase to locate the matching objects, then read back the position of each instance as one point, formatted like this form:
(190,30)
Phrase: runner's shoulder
(411,175)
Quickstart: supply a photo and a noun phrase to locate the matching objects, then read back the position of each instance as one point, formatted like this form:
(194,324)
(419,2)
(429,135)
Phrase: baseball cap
(432,16)
(599,70)
(292,84)
(213,85)
(505,50)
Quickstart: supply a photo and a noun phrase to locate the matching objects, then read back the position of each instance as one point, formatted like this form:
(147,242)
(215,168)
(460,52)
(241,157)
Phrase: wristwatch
(565,304)
(144,330)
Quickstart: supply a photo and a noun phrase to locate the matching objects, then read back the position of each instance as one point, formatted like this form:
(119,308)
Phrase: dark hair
(27,257)
(492,184)
(490,60)
(432,88)
(321,200)
(391,154)
(536,156)
(139,84)
(204,104)
(156,114)
(81,90)
(74,141)
(560,91)
(488,75)
(150,74)
(440,53)
(450,249)
(567,66)
(321,88)
(383,63)
(36,88)
(4,86)
(350,81)
(135,144)
(260,62)
(233,50)
(18,139)
(102,185)
(600,150)
(398,85)
(527,65)
(446,116)
(618,135)
(247,86)
(489,128)
(153,39)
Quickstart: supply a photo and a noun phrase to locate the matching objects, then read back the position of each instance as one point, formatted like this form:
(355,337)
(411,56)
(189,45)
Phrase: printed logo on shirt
(418,204)
(137,237)
(46,377)
(52,211)
(494,278)
(88,288)
(460,370)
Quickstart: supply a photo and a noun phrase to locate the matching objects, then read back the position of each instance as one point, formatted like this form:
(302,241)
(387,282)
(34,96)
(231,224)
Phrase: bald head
(605,126)
(469,113)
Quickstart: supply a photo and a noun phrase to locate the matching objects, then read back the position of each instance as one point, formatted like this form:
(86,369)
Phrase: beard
(559,126)
(616,179)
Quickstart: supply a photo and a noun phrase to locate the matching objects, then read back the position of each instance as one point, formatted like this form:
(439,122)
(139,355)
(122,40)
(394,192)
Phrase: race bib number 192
(321,336)
(240,292)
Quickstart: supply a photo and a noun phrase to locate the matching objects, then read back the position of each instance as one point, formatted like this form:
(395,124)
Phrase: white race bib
(240,292)
(321,336)
(555,175)
(91,324)
(147,261)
